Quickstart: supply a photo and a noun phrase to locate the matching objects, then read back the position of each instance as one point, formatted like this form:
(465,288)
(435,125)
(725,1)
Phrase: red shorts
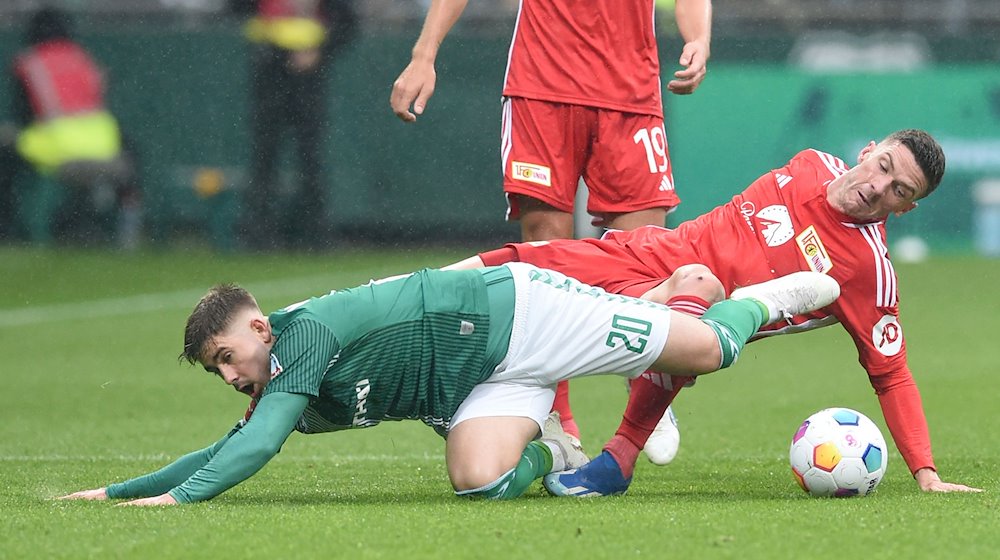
(623,157)
(604,265)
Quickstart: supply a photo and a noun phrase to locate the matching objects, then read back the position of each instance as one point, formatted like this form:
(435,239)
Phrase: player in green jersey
(476,354)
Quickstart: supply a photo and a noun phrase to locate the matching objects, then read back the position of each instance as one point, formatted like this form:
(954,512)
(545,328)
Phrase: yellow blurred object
(294,34)
(209,181)
(48,145)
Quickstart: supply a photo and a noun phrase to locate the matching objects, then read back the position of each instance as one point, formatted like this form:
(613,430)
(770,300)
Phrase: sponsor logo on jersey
(532,173)
(776,225)
(887,335)
(666,184)
(747,210)
(782,180)
(466,328)
(276,368)
(813,250)
(361,389)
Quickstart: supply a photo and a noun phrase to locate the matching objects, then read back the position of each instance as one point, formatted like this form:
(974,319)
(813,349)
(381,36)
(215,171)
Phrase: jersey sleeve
(868,309)
(300,357)
(163,480)
(247,450)
(904,415)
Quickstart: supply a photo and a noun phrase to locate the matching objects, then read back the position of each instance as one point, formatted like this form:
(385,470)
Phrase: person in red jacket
(814,213)
(67,135)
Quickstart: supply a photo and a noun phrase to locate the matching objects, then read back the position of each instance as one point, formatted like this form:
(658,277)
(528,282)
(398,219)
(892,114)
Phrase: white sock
(558,455)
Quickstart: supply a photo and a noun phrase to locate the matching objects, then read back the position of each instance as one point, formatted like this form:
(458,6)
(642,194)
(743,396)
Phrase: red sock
(561,405)
(651,394)
(691,305)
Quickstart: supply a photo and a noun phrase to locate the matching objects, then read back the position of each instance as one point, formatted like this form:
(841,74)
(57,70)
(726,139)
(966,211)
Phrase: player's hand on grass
(161,500)
(929,481)
(694,59)
(413,87)
(95,494)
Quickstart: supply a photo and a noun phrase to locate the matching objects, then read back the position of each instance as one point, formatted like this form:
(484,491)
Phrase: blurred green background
(180,88)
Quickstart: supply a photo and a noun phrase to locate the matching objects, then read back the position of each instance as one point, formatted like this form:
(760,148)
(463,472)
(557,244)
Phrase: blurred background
(784,75)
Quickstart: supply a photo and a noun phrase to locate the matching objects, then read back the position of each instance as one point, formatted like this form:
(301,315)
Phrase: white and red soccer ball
(838,452)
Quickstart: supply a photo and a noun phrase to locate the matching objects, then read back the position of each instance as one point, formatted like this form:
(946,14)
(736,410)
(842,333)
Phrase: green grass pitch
(92,393)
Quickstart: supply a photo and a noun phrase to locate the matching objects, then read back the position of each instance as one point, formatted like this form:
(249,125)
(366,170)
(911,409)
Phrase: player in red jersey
(581,100)
(814,213)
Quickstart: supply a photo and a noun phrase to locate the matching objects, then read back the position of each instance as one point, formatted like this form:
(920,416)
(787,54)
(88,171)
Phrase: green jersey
(411,347)
(404,348)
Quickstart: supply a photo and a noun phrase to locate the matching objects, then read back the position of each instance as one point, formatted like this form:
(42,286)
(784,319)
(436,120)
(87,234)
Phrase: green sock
(734,322)
(536,461)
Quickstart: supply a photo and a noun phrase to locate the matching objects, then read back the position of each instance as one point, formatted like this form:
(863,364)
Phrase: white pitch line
(158,301)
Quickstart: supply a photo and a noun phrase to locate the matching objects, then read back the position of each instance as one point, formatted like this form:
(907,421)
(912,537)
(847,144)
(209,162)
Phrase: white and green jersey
(411,347)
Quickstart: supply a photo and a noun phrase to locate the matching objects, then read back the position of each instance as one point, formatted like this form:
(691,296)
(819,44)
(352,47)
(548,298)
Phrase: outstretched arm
(207,473)
(904,415)
(694,21)
(246,452)
(157,482)
(416,84)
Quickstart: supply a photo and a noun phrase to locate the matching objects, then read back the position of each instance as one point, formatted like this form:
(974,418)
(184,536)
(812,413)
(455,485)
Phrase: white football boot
(793,294)
(661,447)
(567,453)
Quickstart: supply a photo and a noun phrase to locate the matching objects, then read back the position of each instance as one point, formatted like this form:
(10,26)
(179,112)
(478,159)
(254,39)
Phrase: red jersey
(597,53)
(60,79)
(780,224)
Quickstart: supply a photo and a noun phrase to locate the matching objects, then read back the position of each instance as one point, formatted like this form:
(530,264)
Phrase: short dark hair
(927,152)
(211,316)
(48,24)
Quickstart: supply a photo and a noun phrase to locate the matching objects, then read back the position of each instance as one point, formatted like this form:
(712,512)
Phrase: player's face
(241,355)
(887,180)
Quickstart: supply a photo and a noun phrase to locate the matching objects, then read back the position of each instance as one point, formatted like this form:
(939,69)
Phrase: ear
(262,328)
(866,150)
(906,209)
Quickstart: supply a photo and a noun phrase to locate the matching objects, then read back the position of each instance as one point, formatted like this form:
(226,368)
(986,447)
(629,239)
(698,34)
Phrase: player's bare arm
(694,21)
(415,85)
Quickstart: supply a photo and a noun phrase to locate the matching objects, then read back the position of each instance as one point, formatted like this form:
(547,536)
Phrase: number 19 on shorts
(620,325)
(654,140)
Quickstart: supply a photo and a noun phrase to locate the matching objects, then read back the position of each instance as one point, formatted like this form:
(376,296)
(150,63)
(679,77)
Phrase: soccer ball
(838,452)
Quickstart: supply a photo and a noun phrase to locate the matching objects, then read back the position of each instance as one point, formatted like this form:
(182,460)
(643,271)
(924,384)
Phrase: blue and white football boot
(600,477)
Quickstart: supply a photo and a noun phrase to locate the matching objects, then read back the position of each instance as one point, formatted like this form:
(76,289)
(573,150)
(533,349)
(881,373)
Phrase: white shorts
(565,329)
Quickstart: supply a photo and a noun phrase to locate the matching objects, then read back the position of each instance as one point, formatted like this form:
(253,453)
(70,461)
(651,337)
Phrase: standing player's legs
(259,224)
(630,182)
(544,150)
(544,147)
(308,117)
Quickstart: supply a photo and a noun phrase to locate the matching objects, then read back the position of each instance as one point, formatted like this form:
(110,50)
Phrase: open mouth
(246,389)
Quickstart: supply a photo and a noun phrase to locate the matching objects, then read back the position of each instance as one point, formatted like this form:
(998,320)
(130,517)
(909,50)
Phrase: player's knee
(475,476)
(697,280)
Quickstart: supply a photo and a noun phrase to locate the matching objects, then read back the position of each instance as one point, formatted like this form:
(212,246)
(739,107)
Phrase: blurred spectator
(295,40)
(84,183)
